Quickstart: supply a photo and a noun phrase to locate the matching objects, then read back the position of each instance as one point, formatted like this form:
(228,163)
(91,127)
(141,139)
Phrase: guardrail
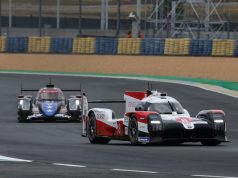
(129,46)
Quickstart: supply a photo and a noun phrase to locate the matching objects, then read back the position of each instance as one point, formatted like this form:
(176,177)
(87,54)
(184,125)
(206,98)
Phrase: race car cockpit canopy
(165,107)
(50,94)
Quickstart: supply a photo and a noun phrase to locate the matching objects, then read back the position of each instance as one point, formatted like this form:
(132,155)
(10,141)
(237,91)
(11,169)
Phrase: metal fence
(197,19)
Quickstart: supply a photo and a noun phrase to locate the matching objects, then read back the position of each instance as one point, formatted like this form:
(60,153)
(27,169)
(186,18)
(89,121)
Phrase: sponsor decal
(119,130)
(144,139)
(115,124)
(100,116)
(126,120)
(131,104)
(49,108)
(187,122)
(142,127)
(126,130)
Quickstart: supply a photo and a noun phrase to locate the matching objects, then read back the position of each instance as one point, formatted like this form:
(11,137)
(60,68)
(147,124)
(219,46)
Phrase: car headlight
(24,105)
(74,104)
(154,123)
(21,102)
(77,102)
(218,121)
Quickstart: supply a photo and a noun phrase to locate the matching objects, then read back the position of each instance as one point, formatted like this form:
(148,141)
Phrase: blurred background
(196,19)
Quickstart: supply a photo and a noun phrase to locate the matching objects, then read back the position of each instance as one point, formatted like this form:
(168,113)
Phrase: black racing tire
(92,131)
(210,142)
(133,131)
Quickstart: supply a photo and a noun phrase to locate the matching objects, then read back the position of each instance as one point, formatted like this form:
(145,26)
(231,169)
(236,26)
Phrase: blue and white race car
(50,104)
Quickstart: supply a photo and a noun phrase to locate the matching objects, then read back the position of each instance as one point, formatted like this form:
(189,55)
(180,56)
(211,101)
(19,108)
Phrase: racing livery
(153,117)
(50,104)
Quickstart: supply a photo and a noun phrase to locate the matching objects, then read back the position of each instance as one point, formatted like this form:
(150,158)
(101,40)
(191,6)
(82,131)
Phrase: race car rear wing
(133,98)
(51,86)
(107,101)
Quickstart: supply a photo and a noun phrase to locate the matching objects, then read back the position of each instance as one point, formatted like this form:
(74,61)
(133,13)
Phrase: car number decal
(187,122)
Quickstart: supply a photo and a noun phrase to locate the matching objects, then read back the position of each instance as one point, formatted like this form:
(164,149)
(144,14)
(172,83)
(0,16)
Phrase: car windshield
(166,107)
(50,96)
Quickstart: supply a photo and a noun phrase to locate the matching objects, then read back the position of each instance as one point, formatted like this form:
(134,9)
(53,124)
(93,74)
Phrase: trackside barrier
(17,44)
(2,44)
(129,46)
(106,45)
(39,44)
(84,45)
(152,46)
(110,45)
(236,49)
(61,45)
(223,47)
(177,46)
(201,48)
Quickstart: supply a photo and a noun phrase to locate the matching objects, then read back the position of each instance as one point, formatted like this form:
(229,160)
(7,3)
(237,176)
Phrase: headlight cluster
(154,123)
(24,105)
(74,104)
(218,121)
(219,124)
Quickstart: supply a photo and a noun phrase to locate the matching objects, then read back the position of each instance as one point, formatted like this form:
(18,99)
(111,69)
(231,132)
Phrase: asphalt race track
(58,150)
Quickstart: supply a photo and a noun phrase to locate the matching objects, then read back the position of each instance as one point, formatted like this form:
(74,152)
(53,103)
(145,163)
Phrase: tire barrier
(39,44)
(106,45)
(2,44)
(201,48)
(177,46)
(127,46)
(61,45)
(17,44)
(84,45)
(223,47)
(152,46)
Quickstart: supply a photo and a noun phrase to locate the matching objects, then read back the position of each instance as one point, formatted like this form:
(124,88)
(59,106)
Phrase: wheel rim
(92,126)
(133,129)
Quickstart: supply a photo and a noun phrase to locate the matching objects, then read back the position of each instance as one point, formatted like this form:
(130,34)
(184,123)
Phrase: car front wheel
(133,131)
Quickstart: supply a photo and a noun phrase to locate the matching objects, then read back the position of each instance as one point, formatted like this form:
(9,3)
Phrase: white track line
(69,165)
(212,176)
(5,158)
(137,171)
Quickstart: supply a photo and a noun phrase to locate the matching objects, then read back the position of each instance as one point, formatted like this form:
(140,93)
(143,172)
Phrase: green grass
(225,84)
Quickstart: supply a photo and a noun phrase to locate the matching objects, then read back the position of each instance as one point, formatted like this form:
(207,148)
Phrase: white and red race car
(153,117)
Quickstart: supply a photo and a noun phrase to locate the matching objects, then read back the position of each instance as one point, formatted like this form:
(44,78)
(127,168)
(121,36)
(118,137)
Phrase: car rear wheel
(210,142)
(133,131)
(92,131)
